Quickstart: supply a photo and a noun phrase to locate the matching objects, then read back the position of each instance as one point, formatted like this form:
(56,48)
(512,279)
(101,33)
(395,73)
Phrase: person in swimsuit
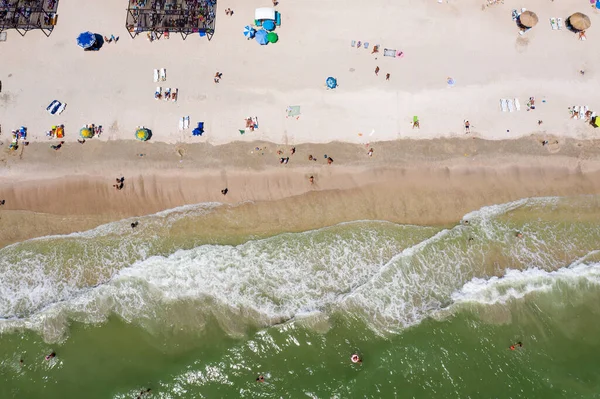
(260,378)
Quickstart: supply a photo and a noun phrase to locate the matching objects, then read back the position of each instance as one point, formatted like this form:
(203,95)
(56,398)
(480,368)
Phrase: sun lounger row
(556,23)
(579,111)
(160,75)
(169,94)
(510,105)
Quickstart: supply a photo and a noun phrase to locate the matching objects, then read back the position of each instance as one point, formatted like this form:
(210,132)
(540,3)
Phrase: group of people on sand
(120,183)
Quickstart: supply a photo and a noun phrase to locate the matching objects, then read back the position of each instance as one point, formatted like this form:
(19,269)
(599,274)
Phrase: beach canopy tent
(249,32)
(528,19)
(86,133)
(261,37)
(142,134)
(331,82)
(86,40)
(580,21)
(264,13)
(596,121)
(269,25)
(272,37)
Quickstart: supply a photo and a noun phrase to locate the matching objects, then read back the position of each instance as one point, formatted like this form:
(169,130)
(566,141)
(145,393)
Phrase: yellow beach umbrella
(142,134)
(580,21)
(86,133)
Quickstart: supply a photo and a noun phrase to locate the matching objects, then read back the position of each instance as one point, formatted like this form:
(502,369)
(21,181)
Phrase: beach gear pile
(266,20)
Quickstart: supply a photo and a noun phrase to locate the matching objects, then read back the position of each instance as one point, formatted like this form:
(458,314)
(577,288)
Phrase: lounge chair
(167,94)
(559,23)
(553,23)
(583,111)
(163,74)
(277,19)
(255,122)
(181,121)
(503,105)
(158,93)
(366,45)
(155,75)
(186,122)
(61,108)
(517,104)
(511,105)
(353,43)
(174,95)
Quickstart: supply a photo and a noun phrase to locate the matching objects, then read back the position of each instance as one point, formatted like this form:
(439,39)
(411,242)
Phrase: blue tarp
(199,130)
(261,37)
(86,40)
(268,24)
(331,82)
(249,32)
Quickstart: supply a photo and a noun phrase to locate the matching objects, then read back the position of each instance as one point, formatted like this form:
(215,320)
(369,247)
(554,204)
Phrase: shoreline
(409,182)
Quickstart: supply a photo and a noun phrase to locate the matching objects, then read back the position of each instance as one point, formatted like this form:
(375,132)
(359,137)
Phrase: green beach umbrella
(86,133)
(272,37)
(142,134)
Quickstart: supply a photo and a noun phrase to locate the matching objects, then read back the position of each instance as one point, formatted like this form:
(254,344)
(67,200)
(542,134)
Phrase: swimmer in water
(519,235)
(356,359)
(260,378)
(50,356)
(518,345)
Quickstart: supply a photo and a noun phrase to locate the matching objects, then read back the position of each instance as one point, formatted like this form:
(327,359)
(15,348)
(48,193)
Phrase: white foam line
(516,284)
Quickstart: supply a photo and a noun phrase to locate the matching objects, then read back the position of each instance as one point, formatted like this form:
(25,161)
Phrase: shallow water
(431,310)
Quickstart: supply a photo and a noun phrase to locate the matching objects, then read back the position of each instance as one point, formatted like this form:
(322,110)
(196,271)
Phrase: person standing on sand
(377,71)
(311,180)
(2,202)
(225,191)
(467,127)
(387,76)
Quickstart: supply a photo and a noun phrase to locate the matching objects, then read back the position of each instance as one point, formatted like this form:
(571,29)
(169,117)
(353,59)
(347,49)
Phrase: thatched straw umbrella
(580,21)
(528,19)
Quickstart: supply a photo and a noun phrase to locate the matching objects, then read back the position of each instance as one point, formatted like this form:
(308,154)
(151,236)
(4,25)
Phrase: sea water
(431,310)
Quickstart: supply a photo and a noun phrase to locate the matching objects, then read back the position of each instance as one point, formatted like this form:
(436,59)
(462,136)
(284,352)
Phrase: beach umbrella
(596,121)
(249,32)
(269,24)
(86,40)
(528,19)
(331,82)
(580,21)
(272,37)
(142,134)
(261,37)
(86,133)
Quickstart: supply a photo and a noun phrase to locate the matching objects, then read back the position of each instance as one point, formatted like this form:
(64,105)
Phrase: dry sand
(477,46)
(431,182)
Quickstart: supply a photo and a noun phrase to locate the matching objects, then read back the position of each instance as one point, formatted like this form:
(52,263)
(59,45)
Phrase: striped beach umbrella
(249,32)
(142,134)
(86,133)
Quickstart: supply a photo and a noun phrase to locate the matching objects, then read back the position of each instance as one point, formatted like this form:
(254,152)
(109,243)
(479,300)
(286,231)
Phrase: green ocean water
(432,311)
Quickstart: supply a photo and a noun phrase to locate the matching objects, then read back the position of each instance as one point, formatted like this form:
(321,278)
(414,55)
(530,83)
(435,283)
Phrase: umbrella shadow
(98,44)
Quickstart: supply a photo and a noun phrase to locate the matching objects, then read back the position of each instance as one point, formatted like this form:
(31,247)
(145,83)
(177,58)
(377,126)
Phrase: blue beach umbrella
(331,82)
(249,32)
(269,25)
(261,37)
(86,40)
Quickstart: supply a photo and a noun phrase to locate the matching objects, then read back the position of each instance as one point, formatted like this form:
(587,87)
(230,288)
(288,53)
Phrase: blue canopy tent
(331,82)
(268,25)
(249,32)
(198,131)
(261,37)
(86,40)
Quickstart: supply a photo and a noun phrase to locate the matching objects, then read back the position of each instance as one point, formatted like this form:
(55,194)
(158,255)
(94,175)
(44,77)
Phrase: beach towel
(163,74)
(559,23)
(61,108)
(293,110)
(517,104)
(503,105)
(255,122)
(155,75)
(511,105)
(399,54)
(158,93)
(174,95)
(583,111)
(553,23)
(186,122)
(366,45)
(353,43)
(389,53)
(167,94)
(53,107)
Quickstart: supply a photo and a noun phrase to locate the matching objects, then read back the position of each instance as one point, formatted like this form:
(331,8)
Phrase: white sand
(480,49)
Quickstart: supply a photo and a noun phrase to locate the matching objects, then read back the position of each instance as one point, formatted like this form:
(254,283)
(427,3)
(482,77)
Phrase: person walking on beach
(225,191)
(311,180)
(467,127)
(134,224)
(2,202)
(377,71)
(387,76)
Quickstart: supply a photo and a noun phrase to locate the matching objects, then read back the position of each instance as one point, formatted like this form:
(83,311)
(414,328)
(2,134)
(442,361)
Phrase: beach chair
(174,95)
(366,45)
(167,94)
(559,23)
(181,121)
(511,105)
(389,53)
(155,75)
(503,105)
(163,74)
(517,104)
(583,111)
(186,122)
(61,108)
(353,43)
(277,19)
(554,23)
(515,14)
(255,122)
(158,93)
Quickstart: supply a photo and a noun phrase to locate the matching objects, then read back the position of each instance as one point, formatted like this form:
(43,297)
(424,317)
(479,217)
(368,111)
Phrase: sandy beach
(477,46)
(432,182)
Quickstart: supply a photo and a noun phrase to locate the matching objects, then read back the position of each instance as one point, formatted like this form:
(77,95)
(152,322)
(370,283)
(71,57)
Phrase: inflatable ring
(355,358)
